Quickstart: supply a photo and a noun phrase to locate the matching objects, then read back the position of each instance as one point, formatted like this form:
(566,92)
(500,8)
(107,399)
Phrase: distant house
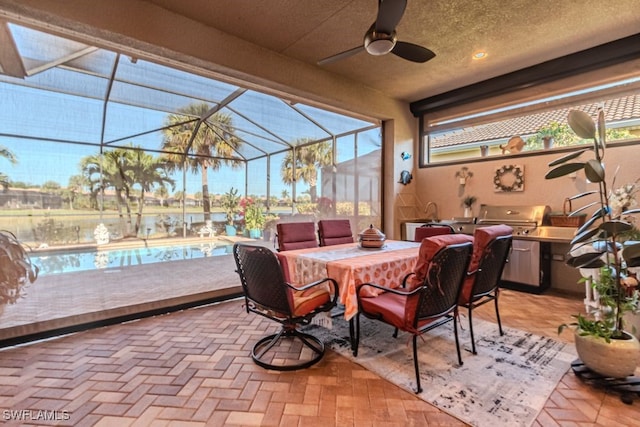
(33,198)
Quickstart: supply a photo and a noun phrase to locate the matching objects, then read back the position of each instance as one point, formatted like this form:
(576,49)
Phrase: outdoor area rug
(506,383)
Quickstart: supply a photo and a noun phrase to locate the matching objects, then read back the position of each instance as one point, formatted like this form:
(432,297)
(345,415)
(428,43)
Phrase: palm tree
(111,170)
(213,145)
(309,159)
(7,154)
(161,194)
(148,171)
(180,197)
(76,182)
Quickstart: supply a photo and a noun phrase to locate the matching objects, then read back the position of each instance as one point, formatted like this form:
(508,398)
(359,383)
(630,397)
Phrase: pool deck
(64,300)
(143,243)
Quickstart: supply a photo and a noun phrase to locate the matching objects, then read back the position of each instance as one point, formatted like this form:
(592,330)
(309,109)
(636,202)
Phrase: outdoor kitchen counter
(548,234)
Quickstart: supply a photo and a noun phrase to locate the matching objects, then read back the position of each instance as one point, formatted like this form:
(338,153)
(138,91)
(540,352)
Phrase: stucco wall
(438,184)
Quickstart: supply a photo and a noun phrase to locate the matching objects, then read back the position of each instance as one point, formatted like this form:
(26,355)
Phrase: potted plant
(254,218)
(468,202)
(230,202)
(463,175)
(16,269)
(602,343)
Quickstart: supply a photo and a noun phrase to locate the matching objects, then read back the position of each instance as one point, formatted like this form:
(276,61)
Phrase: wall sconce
(463,175)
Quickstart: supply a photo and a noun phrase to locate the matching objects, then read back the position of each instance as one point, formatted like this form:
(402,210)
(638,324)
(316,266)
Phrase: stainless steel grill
(523,219)
(529,262)
(528,222)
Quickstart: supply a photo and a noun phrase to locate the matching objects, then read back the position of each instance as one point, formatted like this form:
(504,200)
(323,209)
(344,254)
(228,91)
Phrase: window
(533,126)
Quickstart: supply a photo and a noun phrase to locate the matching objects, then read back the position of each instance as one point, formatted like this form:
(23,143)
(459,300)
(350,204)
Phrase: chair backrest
(445,275)
(492,266)
(491,247)
(428,249)
(296,235)
(429,230)
(334,232)
(261,278)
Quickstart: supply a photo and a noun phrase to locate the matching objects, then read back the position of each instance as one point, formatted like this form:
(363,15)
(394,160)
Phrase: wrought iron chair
(268,294)
(296,235)
(491,247)
(427,306)
(334,232)
(428,230)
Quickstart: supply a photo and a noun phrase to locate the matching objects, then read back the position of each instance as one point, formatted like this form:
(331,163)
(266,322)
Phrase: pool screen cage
(87,122)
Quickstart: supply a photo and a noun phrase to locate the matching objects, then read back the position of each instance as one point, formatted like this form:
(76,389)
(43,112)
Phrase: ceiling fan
(380,38)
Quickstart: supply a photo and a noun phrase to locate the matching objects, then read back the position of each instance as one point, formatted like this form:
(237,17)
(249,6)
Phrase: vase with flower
(603,257)
(324,207)
(467,203)
(230,202)
(254,218)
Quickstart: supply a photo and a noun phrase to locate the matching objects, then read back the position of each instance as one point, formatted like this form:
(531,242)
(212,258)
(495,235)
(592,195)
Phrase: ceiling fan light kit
(379,43)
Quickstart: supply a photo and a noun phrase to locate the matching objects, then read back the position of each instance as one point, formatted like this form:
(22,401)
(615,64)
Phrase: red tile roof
(618,109)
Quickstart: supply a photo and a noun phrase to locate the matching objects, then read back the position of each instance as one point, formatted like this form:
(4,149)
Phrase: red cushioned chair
(442,266)
(296,235)
(334,232)
(268,294)
(491,246)
(429,230)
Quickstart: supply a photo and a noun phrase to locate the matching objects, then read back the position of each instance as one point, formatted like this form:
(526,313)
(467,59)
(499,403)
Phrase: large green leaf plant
(599,242)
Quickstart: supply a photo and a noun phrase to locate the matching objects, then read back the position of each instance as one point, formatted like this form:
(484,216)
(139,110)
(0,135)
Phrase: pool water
(67,262)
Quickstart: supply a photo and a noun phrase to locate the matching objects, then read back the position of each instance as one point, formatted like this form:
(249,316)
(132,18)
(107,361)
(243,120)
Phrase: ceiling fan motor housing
(379,43)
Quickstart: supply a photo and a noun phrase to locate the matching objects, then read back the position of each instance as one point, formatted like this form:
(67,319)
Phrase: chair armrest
(404,280)
(334,286)
(386,289)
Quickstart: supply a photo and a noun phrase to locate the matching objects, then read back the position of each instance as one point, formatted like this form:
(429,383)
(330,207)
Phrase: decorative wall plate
(509,178)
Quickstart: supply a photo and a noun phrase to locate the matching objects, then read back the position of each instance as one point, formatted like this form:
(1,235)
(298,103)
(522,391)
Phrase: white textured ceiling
(515,34)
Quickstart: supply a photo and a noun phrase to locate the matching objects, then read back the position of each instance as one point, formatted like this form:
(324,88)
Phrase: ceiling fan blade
(412,52)
(389,14)
(341,55)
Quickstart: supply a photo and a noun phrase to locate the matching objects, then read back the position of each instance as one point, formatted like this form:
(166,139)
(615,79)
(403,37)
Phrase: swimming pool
(82,260)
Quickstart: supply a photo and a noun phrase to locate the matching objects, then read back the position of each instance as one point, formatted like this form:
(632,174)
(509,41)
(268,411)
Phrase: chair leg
(416,364)
(473,341)
(354,333)
(498,314)
(455,333)
(263,346)
(272,340)
(395,333)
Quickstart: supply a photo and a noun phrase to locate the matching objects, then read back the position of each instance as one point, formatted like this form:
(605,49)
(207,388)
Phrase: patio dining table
(351,265)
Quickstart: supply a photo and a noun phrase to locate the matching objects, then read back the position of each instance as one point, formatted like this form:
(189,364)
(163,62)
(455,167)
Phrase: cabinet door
(409,230)
(524,263)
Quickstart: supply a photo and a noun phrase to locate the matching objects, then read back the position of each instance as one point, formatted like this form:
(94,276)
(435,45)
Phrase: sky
(24,111)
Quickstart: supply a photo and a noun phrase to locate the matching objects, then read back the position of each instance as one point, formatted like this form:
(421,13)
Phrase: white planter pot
(632,323)
(617,359)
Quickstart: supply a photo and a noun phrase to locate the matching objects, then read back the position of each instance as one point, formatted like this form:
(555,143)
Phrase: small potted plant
(468,202)
(16,269)
(602,342)
(230,202)
(254,218)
